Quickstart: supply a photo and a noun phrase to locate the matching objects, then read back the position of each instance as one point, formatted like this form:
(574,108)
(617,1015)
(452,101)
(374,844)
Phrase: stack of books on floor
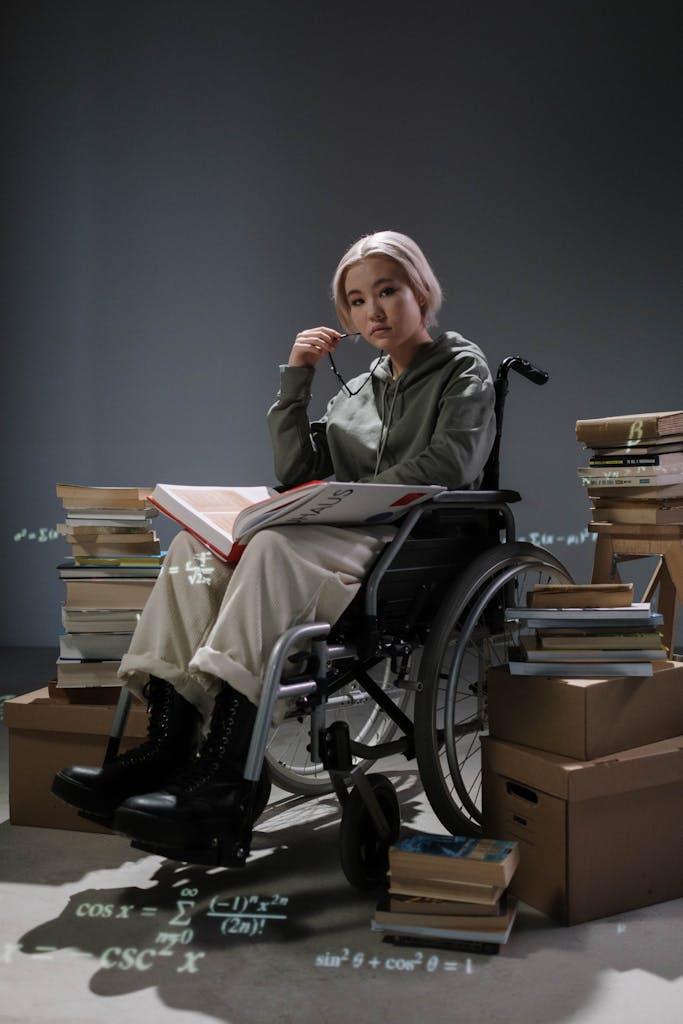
(449,892)
(586,631)
(115,560)
(635,470)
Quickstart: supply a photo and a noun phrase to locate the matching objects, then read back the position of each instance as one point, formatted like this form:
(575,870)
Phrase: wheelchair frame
(370,813)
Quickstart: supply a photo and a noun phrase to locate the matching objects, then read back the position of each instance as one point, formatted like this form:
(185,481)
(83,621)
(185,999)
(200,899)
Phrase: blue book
(454,858)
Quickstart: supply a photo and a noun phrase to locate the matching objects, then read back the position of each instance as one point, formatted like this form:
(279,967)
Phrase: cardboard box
(586,718)
(596,837)
(46,735)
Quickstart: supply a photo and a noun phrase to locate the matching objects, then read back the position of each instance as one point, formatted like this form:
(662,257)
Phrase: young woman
(422,414)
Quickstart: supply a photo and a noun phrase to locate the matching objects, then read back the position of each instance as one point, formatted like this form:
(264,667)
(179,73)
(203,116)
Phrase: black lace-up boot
(173,733)
(210,797)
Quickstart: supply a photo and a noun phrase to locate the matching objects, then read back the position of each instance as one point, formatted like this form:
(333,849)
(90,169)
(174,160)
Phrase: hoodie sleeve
(300,447)
(462,437)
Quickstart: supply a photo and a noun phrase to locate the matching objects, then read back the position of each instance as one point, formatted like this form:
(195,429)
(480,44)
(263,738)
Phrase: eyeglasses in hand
(333,366)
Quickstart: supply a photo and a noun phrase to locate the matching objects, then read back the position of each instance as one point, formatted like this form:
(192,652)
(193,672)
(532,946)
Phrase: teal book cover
(462,847)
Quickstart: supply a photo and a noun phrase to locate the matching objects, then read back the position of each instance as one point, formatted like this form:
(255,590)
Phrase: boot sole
(87,803)
(146,827)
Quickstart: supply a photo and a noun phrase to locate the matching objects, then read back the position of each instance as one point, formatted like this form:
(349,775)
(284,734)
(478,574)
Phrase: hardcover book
(630,429)
(224,518)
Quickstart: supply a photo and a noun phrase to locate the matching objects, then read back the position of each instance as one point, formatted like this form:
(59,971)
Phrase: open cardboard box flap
(651,765)
(37,711)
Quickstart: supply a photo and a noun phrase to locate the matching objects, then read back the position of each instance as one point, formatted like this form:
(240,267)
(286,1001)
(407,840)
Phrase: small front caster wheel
(364,854)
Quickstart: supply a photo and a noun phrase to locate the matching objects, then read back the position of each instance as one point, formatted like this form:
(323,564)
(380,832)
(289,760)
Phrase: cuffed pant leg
(179,614)
(287,575)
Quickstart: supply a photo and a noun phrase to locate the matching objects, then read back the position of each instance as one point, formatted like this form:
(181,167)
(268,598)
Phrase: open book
(224,518)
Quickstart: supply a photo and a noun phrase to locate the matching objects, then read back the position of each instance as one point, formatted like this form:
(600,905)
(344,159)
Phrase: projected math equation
(42,534)
(406,963)
(118,936)
(544,539)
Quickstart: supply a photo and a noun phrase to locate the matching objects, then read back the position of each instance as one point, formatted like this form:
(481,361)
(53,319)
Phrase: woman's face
(383,306)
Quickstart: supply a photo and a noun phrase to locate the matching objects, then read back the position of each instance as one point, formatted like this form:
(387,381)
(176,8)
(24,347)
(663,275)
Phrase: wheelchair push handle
(524,367)
(491,477)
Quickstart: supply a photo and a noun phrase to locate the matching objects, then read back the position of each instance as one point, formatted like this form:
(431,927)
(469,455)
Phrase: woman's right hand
(312,345)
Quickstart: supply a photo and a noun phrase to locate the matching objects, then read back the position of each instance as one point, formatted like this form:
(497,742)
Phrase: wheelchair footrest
(220,852)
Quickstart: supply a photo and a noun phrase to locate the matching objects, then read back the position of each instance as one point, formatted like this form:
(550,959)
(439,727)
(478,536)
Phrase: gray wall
(180,179)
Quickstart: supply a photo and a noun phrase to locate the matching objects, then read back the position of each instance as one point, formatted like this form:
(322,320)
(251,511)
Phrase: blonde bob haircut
(411,262)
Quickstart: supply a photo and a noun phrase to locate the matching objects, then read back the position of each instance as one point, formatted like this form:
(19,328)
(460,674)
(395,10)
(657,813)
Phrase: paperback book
(85,496)
(87,673)
(536,651)
(459,858)
(110,593)
(444,907)
(602,640)
(428,887)
(571,595)
(93,646)
(617,479)
(457,928)
(639,613)
(610,510)
(580,669)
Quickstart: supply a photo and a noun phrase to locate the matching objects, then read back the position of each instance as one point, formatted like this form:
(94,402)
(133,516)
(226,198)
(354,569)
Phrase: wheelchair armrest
(476,498)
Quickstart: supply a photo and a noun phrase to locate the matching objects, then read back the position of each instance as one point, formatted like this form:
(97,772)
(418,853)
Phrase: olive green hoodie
(433,425)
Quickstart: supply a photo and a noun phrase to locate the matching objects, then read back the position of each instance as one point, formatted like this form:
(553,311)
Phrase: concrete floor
(94,932)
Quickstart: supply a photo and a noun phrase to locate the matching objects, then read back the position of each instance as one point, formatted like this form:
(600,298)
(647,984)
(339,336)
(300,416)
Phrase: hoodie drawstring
(384,429)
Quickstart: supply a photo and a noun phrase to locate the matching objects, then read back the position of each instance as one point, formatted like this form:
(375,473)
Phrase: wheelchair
(403,672)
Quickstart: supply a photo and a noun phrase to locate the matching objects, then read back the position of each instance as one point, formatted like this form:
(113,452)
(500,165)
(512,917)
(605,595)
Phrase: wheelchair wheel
(470,635)
(364,855)
(287,755)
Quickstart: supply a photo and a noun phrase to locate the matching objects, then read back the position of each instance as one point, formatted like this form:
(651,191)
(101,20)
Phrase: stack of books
(450,892)
(115,560)
(586,631)
(635,470)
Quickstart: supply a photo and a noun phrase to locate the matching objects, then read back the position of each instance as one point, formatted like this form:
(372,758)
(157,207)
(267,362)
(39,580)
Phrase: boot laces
(211,758)
(159,697)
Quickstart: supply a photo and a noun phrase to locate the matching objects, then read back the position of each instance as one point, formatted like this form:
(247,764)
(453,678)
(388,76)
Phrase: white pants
(206,621)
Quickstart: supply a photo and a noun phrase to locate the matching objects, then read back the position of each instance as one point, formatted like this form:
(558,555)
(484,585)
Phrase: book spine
(637,480)
(619,430)
(624,460)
